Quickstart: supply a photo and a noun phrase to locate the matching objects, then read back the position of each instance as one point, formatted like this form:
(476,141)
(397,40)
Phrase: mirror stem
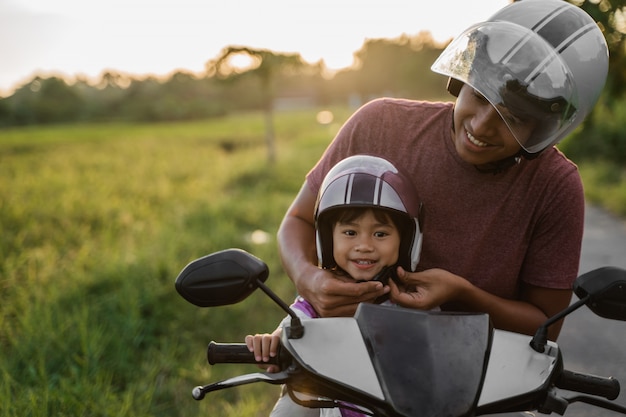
(539,341)
(296,330)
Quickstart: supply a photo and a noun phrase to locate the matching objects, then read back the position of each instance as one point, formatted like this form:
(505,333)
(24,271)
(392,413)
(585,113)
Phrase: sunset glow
(73,37)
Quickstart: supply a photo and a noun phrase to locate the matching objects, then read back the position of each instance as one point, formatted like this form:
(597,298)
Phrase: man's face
(480,135)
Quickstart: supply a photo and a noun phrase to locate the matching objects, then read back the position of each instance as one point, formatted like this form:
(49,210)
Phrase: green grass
(96,221)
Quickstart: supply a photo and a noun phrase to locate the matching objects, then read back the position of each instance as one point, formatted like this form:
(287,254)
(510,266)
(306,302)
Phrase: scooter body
(393,361)
(421,363)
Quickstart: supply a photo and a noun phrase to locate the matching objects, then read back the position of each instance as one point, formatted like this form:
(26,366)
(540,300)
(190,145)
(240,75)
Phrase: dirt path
(589,343)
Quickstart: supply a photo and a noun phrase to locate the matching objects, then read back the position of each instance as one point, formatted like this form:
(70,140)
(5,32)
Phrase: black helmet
(369,182)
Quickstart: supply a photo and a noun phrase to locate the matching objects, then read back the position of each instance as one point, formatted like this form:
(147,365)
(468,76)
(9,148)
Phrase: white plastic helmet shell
(555,85)
(575,36)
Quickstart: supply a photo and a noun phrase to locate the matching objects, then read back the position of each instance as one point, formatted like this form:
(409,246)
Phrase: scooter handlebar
(233,353)
(608,388)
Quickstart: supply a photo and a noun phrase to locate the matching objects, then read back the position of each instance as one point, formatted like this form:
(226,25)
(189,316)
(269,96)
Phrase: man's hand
(337,296)
(425,290)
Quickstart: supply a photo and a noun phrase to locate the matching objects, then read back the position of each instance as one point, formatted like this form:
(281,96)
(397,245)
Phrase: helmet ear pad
(410,242)
(454,86)
(324,239)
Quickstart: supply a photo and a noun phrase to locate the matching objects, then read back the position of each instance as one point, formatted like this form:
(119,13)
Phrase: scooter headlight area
(398,361)
(393,361)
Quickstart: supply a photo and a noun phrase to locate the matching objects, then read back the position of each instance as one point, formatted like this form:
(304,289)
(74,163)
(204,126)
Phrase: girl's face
(480,135)
(362,247)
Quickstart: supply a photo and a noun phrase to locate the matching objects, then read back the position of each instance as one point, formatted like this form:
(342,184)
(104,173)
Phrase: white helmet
(369,181)
(539,60)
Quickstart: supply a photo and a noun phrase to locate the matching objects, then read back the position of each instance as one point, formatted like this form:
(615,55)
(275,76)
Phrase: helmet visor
(520,74)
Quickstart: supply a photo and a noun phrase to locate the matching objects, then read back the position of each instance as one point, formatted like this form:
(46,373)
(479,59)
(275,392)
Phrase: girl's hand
(265,346)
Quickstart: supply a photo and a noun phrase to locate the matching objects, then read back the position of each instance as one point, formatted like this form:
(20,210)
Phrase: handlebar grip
(233,353)
(608,388)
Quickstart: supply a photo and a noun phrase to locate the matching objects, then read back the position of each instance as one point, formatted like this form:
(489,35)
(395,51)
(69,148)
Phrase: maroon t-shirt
(495,230)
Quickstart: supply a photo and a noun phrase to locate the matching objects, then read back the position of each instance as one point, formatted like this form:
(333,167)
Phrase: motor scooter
(393,361)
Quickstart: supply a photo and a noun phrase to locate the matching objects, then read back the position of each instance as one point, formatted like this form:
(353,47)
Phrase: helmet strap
(506,163)
(500,166)
(529,156)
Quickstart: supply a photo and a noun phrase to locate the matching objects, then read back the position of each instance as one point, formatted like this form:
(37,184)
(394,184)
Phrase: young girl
(367,224)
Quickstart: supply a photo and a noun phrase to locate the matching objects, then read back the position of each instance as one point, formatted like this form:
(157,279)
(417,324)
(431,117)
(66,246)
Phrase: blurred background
(136,136)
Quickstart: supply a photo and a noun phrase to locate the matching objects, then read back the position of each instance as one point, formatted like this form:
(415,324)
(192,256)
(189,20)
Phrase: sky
(139,37)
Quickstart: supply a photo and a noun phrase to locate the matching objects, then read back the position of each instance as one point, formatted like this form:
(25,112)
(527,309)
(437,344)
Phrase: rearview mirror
(221,278)
(603,290)
(607,290)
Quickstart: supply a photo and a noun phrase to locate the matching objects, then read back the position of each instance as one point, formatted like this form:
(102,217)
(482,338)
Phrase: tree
(264,65)
(45,101)
(399,66)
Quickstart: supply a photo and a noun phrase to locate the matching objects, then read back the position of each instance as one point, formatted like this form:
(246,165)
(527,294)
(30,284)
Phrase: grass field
(96,222)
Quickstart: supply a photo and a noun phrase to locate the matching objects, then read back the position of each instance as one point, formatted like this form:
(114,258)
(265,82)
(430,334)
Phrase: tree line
(382,67)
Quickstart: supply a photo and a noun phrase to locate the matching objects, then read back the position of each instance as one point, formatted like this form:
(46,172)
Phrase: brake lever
(276,378)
